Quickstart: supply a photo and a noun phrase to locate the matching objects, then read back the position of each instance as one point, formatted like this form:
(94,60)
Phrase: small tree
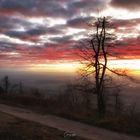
(20,87)
(6,84)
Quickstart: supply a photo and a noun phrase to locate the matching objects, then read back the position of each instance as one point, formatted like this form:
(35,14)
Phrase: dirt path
(82,130)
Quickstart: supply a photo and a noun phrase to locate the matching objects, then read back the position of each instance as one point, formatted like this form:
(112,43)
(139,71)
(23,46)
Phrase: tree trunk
(101,105)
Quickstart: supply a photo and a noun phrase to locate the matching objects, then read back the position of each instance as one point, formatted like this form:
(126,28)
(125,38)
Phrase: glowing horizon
(131,66)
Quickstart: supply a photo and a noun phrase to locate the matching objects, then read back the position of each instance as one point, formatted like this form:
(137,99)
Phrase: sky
(43,35)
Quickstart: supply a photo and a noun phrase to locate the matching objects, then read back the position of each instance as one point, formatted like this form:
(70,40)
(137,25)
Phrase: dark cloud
(18,20)
(35,7)
(25,7)
(50,8)
(55,9)
(131,42)
(17,34)
(126,4)
(11,4)
(36,31)
(125,27)
(70,8)
(5,46)
(33,34)
(5,22)
(60,40)
(87,5)
(125,22)
(79,22)
(54,30)
(9,23)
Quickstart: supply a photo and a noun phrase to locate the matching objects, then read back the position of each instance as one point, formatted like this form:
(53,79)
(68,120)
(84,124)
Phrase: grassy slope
(129,124)
(12,128)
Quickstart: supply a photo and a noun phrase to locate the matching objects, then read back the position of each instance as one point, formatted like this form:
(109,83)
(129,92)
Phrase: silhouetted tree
(1,90)
(6,84)
(95,54)
(20,87)
(13,88)
(100,65)
(35,92)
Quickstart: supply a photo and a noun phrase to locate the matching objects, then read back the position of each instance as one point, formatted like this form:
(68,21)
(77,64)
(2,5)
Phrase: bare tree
(20,87)
(100,65)
(6,84)
(95,54)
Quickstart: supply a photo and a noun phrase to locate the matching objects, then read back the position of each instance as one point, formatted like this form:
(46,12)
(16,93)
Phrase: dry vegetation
(67,105)
(12,128)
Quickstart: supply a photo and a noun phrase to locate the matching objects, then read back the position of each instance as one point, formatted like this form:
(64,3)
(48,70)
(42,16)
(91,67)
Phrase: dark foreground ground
(123,122)
(72,128)
(13,128)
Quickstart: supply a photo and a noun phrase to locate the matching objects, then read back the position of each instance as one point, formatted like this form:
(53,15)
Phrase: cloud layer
(127,4)
(42,31)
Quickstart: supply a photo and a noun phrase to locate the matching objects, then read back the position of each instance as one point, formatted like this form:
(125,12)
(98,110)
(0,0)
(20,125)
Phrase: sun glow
(132,66)
(58,67)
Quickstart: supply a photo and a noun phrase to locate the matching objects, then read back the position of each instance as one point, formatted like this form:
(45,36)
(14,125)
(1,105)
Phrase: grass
(123,123)
(12,128)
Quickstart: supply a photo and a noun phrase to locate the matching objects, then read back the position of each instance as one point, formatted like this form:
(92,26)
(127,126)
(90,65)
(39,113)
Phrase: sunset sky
(43,35)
